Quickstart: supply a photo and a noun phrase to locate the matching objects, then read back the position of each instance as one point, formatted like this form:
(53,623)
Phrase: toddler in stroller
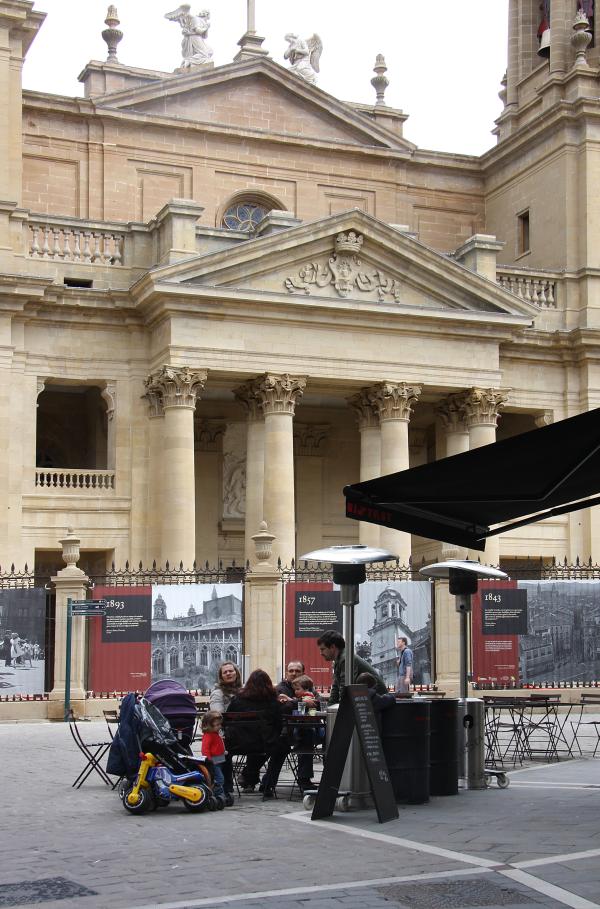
(158,767)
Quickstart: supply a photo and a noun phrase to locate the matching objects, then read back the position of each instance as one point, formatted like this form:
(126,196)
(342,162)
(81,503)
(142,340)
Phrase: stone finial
(70,548)
(263,543)
(250,43)
(380,81)
(503,93)
(581,37)
(112,35)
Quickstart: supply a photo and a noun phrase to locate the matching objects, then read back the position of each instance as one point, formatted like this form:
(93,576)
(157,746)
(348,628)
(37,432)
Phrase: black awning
(520,480)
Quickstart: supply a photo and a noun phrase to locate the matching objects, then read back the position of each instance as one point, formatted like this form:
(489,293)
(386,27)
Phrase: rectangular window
(523,238)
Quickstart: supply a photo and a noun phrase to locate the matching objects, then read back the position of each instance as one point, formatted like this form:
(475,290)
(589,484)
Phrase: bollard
(471,715)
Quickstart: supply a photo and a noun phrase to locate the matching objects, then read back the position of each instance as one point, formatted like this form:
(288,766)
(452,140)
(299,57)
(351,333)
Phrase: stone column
(179,388)
(367,417)
(70,582)
(310,443)
(208,456)
(482,408)
(394,402)
(277,396)
(255,462)
(155,500)
(561,21)
(452,417)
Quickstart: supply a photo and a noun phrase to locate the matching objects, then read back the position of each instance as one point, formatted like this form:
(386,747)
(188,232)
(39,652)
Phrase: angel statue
(304,56)
(194,30)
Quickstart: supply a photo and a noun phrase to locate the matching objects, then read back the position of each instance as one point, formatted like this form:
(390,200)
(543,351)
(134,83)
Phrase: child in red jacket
(213,747)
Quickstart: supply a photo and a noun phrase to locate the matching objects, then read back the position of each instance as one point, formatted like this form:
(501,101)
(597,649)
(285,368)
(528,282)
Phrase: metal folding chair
(93,753)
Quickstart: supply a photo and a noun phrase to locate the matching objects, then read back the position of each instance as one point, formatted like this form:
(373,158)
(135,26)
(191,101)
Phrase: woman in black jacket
(259,737)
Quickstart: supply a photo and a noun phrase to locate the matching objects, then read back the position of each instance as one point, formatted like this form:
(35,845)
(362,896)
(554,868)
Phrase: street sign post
(77,608)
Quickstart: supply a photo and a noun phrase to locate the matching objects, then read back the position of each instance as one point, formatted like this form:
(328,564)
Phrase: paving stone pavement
(534,844)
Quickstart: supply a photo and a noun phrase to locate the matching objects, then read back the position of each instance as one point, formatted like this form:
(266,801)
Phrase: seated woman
(260,737)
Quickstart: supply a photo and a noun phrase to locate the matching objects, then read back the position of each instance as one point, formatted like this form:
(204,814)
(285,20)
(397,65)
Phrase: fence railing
(80,480)
(538,288)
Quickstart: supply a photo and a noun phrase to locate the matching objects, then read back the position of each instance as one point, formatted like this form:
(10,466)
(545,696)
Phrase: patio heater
(463,576)
(349,572)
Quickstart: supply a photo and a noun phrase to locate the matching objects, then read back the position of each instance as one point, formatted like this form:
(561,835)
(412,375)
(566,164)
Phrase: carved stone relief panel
(234,471)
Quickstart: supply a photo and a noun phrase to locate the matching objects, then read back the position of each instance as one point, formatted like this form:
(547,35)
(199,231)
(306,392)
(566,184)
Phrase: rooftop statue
(194,29)
(304,56)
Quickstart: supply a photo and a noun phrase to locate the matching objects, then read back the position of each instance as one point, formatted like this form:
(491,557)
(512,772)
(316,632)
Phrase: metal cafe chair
(93,753)
(112,720)
(587,701)
(299,744)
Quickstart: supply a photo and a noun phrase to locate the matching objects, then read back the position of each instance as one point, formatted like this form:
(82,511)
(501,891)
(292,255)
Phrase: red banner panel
(120,641)
(499,617)
(311,609)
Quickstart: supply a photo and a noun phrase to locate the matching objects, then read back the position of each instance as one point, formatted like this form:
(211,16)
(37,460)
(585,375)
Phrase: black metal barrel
(405,736)
(443,774)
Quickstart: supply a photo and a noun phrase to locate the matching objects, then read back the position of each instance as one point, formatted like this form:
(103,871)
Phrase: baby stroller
(158,771)
(177,705)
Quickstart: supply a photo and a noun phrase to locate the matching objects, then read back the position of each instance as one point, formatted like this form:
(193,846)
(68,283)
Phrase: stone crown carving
(349,244)
(176,386)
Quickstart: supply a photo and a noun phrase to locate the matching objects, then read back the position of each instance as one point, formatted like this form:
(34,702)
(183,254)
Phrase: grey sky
(445,57)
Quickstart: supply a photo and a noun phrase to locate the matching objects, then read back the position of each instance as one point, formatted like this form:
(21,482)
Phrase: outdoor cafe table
(522,728)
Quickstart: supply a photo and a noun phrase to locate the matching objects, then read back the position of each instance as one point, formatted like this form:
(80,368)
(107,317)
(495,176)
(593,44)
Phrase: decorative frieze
(309,438)
(395,400)
(363,405)
(343,272)
(177,386)
(482,406)
(279,394)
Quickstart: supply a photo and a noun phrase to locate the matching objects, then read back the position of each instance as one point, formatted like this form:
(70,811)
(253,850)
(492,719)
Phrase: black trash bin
(405,736)
(443,775)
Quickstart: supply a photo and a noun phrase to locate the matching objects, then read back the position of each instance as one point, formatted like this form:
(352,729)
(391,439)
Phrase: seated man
(289,702)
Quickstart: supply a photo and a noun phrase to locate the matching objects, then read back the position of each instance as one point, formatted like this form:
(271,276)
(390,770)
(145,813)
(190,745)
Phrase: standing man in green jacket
(332,648)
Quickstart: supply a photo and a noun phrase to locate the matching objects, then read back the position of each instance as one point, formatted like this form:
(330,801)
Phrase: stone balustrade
(68,240)
(79,480)
(540,289)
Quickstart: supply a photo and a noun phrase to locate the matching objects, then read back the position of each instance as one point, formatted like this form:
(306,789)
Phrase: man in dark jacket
(332,648)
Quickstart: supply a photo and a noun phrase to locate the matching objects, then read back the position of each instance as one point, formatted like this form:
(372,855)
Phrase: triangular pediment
(256,96)
(348,259)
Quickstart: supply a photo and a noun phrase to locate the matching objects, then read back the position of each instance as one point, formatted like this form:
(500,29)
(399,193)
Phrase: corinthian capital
(278,394)
(177,386)
(364,407)
(451,412)
(482,406)
(153,400)
(247,396)
(395,400)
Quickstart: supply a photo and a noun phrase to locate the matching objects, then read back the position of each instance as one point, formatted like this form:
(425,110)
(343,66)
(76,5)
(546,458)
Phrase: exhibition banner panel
(499,617)
(389,610)
(22,640)
(119,642)
(311,608)
(536,632)
(195,628)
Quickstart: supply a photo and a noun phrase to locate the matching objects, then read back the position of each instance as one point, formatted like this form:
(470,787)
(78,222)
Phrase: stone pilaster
(482,408)
(394,402)
(208,455)
(278,395)
(178,387)
(155,498)
(255,463)
(310,441)
(367,417)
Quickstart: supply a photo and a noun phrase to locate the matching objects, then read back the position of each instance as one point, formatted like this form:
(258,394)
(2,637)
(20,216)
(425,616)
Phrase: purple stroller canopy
(173,700)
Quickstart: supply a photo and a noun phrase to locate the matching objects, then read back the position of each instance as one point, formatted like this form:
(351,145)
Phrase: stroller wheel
(144,803)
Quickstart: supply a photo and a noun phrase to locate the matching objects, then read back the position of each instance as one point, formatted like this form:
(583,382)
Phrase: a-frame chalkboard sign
(356,712)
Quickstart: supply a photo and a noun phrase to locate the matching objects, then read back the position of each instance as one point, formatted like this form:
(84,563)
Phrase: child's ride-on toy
(156,786)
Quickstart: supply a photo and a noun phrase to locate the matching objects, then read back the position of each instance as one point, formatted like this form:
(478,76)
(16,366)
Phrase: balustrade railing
(534,287)
(68,242)
(81,480)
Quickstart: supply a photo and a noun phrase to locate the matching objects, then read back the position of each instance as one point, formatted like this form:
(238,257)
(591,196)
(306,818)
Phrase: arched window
(245,214)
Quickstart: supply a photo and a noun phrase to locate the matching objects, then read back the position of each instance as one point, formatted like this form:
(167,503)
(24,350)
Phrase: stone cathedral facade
(226,294)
